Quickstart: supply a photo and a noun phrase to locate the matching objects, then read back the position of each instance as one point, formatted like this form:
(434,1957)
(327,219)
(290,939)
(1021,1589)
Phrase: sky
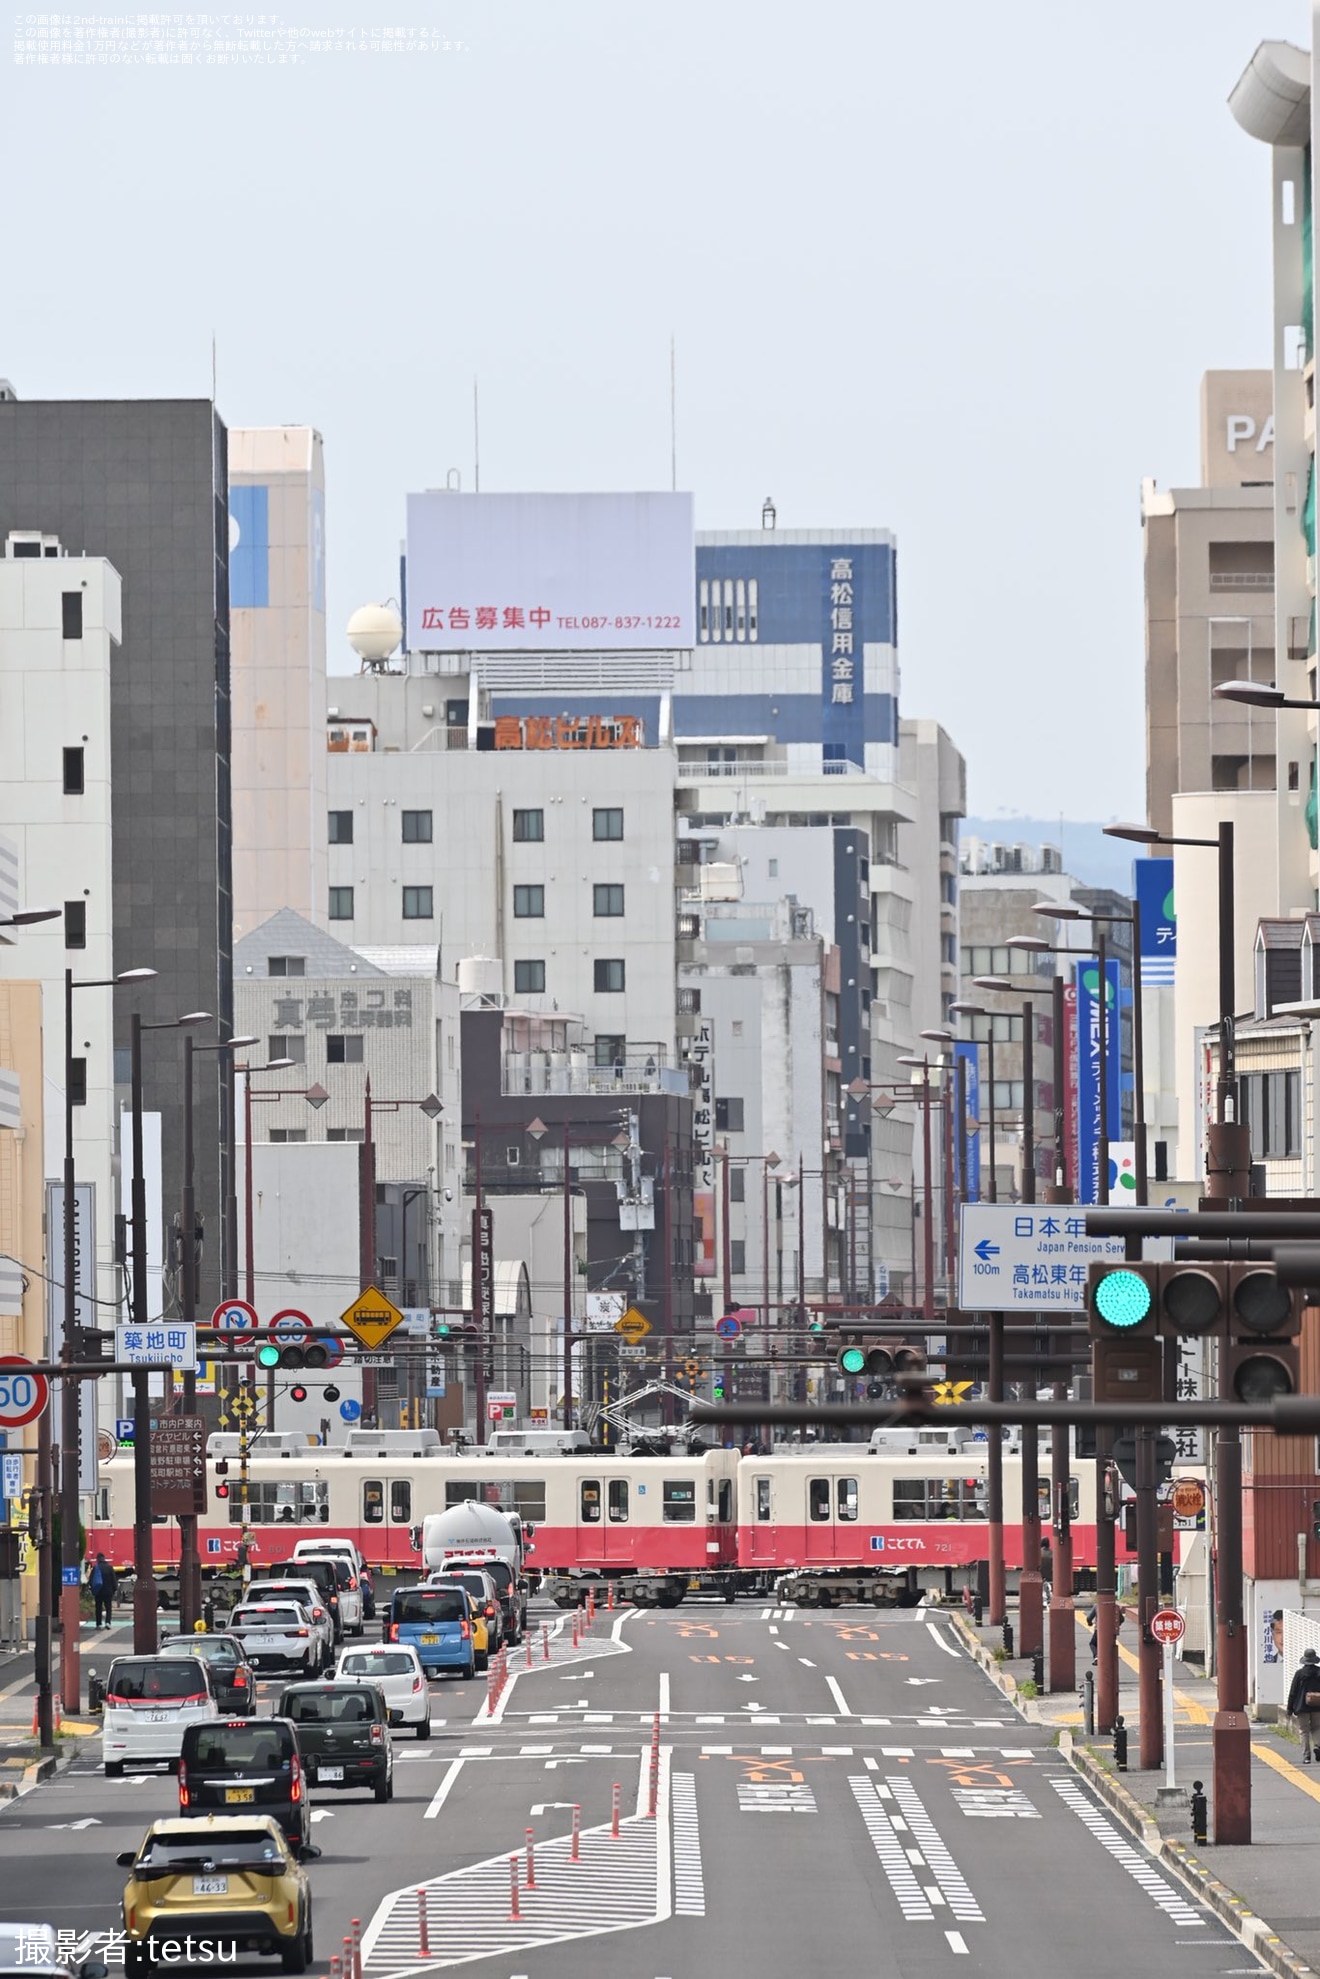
(944,268)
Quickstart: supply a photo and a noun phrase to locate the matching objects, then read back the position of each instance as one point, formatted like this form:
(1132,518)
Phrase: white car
(349,1588)
(277,1635)
(396,1669)
(305,1594)
(148,1702)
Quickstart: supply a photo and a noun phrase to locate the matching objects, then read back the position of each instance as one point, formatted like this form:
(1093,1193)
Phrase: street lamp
(29,917)
(928,1229)
(1257,694)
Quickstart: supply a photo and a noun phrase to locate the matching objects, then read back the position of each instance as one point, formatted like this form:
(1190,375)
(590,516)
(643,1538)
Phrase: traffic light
(297,1393)
(1132,1306)
(222,1490)
(865,1354)
(281,1352)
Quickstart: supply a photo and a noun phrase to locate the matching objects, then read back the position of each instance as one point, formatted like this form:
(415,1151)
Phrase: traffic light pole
(1149,1654)
(994,1477)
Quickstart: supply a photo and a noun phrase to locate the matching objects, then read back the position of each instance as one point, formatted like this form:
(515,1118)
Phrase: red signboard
(1167,1626)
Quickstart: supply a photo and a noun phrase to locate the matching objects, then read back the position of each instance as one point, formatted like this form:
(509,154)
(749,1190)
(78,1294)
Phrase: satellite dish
(374,633)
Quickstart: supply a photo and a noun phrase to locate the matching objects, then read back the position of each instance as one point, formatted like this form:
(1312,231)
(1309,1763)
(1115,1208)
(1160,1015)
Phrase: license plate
(430,1638)
(210,1886)
(329,1772)
(265,1642)
(160,1717)
(237,1795)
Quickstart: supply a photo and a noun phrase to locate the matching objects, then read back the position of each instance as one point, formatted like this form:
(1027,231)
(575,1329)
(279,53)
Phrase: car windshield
(501,1574)
(340,1568)
(174,1679)
(168,1854)
(331,1707)
(254,1748)
(378,1663)
(285,1590)
(211,1648)
(428,1604)
(266,1618)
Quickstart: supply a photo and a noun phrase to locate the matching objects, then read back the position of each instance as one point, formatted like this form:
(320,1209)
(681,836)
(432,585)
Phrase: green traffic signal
(1122,1299)
(852,1360)
(268,1355)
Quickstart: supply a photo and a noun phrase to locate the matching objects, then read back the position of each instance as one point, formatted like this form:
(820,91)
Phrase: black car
(241,1764)
(344,1734)
(232,1675)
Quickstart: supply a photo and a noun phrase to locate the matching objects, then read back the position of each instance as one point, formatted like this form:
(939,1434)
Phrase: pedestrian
(1304,1703)
(101,1580)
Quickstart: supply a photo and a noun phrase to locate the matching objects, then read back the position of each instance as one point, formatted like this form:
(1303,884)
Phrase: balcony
(762,767)
(574,1074)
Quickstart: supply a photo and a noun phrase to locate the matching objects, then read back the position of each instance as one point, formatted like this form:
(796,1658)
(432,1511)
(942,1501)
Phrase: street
(937,1826)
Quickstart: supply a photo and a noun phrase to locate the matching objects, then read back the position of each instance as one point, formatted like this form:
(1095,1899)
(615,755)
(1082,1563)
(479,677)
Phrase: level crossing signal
(1133,1306)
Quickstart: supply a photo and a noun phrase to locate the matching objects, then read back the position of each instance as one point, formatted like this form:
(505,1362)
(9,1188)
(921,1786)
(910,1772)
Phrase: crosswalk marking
(689,1882)
(952,1883)
(1170,1900)
(912,1899)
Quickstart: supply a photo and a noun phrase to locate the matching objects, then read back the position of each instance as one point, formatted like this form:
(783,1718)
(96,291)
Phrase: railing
(762,767)
(557,1075)
(440,738)
(1242,580)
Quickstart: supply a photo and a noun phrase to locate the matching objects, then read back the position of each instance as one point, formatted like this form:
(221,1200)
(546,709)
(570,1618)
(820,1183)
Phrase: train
(885,1522)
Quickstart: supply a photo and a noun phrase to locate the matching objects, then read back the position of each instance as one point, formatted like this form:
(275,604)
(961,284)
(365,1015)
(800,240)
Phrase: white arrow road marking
(753,1707)
(922,1680)
(90,1822)
(541,1806)
(322,1814)
(551,1764)
(743,1678)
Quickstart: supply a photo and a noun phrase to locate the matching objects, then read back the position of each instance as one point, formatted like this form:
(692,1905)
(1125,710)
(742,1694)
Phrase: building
(935,771)
(144,485)
(277,628)
(23,1291)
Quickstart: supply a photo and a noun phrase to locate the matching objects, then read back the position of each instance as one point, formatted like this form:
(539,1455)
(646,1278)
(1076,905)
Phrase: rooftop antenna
(673,418)
(476,441)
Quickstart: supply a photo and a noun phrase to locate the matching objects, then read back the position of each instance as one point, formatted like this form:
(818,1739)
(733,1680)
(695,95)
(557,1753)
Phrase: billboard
(1159,919)
(549,573)
(966,1053)
(1089,1187)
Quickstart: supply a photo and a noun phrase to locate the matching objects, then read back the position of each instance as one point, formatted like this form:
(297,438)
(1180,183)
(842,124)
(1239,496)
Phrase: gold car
(476,1615)
(218,1881)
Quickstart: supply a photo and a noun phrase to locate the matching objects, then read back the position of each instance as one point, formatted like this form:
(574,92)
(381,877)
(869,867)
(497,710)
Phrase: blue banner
(967,1055)
(1088,1073)
(1159,922)
(249,547)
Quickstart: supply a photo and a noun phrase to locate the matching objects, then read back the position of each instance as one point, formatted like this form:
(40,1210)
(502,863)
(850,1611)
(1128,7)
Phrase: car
(437,1622)
(149,1703)
(225,1881)
(322,1549)
(397,1669)
(232,1676)
(343,1731)
(323,1576)
(476,1615)
(307,1595)
(511,1592)
(477,1581)
(32,1951)
(278,1635)
(250,1763)
(347,1588)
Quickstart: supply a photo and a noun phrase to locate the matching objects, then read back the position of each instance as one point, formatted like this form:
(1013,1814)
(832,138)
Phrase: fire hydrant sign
(1033,1257)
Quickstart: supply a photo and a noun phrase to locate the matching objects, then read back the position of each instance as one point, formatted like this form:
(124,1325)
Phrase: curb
(1230,1908)
(33,1775)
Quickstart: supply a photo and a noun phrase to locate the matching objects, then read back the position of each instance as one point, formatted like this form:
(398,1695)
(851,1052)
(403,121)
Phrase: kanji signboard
(178,1466)
(1032,1256)
(173,1342)
(372,1317)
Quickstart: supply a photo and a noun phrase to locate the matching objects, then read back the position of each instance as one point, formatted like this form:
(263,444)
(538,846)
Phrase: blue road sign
(124,1426)
(728,1327)
(350,1411)
(70,1576)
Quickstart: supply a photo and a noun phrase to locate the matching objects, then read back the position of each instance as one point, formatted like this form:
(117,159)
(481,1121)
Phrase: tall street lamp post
(928,1224)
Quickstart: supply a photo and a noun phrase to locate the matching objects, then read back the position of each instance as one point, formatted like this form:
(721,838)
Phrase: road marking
(804,1660)
(911,1899)
(832,1685)
(772,1630)
(712,1751)
(784,1645)
(595,1751)
(1171,1901)
(534,1751)
(775,1798)
(836,1751)
(958,1751)
(995,1803)
(689,1882)
(664,1697)
(441,1794)
(937,1637)
(953,1885)
(896,1751)
(475,1751)
(870,1764)
(1288,1770)
(777,1748)
(957,1943)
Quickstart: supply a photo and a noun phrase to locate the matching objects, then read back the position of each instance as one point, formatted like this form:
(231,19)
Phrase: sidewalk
(1270,1891)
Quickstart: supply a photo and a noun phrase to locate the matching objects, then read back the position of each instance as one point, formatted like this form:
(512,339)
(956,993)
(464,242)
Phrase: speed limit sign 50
(23,1392)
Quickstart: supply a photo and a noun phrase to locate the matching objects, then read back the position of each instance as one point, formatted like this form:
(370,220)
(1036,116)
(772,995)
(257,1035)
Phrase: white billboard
(549,573)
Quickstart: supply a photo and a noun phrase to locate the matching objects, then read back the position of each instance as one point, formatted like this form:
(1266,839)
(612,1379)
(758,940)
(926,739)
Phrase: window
(941,1498)
(417,827)
(527,1500)
(737,1256)
(678,1500)
(346,1134)
(609,976)
(617,1505)
(729,1116)
(288,1136)
(341,827)
(774,869)
(607,902)
(529,978)
(417,903)
(818,1499)
(611,1050)
(1272,1103)
(71,603)
(400,1501)
(528,827)
(737,1185)
(286,965)
(607,824)
(529,903)
(845,1499)
(724,1504)
(290,1044)
(344,1050)
(73,773)
(341,903)
(762,1500)
(589,1501)
(75,924)
(689,1002)
(78,1082)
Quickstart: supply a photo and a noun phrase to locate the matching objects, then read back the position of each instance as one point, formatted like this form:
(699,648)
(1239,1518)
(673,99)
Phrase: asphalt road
(843,1786)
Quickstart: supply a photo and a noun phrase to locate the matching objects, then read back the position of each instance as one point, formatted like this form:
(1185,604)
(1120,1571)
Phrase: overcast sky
(951,269)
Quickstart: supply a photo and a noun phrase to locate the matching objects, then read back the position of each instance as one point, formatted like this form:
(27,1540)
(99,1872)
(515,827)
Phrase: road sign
(350,1411)
(172,1341)
(500,1411)
(178,1465)
(948,1392)
(70,1576)
(290,1326)
(728,1328)
(236,1320)
(1167,1626)
(12,1475)
(1031,1257)
(125,1426)
(634,1326)
(372,1317)
(1188,1497)
(24,1394)
(105,1446)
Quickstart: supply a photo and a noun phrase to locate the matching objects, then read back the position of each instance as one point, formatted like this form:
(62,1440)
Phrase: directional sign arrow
(322,1814)
(985,1250)
(545,1806)
(744,1679)
(921,1680)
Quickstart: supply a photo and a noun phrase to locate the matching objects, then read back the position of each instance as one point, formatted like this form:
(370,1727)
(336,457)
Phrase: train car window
(679,1501)
(762,1498)
(818,1498)
(939,1498)
(909,1497)
(373,1501)
(617,1501)
(589,1501)
(526,1498)
(845,1498)
(283,1503)
(1045,1499)
(725,1511)
(400,1501)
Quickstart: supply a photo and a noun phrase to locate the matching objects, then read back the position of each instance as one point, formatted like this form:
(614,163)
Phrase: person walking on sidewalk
(101,1580)
(1304,1703)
